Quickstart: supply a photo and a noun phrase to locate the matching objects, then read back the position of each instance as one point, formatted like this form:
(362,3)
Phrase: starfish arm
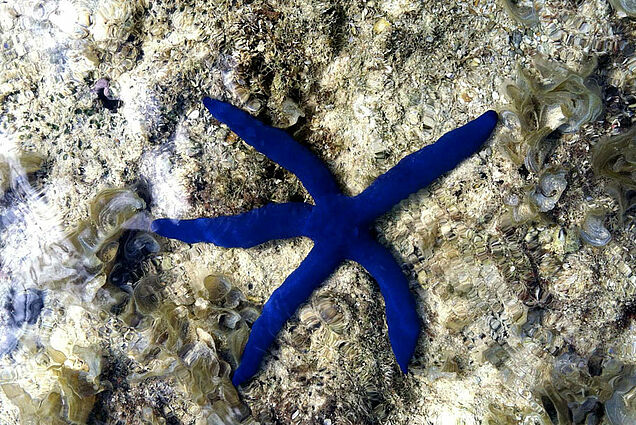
(420,168)
(277,146)
(282,304)
(401,316)
(273,221)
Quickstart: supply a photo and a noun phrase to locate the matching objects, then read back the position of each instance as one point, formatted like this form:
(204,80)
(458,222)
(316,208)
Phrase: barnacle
(121,60)
(324,309)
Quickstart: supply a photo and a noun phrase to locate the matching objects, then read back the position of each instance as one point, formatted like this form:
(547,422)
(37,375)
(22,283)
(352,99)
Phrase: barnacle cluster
(64,367)
(557,101)
(587,390)
(571,32)
(196,338)
(113,32)
(499,291)
(113,20)
(327,334)
(615,158)
(108,276)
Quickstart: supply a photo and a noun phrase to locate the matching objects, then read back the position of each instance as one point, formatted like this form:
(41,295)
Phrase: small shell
(234,298)
(330,313)
(593,231)
(621,407)
(551,185)
(290,113)
(147,295)
(112,207)
(217,286)
(527,15)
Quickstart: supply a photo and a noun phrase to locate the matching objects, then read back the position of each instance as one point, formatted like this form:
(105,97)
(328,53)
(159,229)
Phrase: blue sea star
(339,225)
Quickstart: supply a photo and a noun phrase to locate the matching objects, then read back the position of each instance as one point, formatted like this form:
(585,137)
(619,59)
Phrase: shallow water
(521,260)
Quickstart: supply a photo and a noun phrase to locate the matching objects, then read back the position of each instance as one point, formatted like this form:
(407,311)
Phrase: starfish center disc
(334,220)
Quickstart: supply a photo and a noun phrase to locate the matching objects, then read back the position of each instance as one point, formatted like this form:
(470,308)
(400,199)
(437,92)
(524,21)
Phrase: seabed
(521,260)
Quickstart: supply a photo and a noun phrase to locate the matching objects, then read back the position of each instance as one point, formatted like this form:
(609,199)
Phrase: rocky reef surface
(522,259)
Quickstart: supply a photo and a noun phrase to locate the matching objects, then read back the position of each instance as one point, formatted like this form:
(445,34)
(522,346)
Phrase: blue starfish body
(339,225)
